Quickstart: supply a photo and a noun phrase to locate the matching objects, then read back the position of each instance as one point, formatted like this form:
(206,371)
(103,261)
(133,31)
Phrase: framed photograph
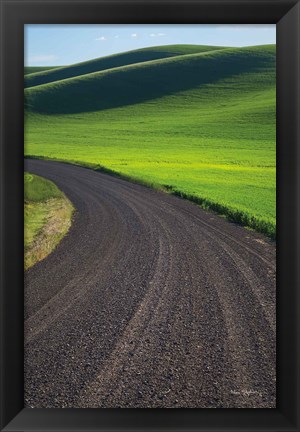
(150,215)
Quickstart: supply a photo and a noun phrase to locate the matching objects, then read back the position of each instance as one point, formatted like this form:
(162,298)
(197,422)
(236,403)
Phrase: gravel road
(148,302)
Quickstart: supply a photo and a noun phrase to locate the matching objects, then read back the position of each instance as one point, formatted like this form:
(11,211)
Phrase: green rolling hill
(197,122)
(136,83)
(113,61)
(34,69)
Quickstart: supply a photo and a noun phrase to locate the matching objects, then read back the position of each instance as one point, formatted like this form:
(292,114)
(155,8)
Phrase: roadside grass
(47,218)
(39,189)
(213,143)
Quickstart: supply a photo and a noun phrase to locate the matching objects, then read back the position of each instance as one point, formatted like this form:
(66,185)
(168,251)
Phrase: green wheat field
(195,121)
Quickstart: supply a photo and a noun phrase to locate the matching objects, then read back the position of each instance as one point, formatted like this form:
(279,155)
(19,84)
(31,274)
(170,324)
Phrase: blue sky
(53,44)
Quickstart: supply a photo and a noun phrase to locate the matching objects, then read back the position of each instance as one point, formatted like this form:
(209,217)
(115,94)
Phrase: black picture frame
(286,15)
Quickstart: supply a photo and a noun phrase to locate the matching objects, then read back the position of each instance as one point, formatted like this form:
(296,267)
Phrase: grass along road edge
(47,218)
(232,214)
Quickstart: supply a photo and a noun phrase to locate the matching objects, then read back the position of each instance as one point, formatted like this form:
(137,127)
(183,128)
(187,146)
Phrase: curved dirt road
(148,302)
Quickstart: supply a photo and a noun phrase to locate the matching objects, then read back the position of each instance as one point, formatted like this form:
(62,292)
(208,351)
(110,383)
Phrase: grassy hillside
(113,61)
(133,84)
(33,69)
(47,217)
(200,125)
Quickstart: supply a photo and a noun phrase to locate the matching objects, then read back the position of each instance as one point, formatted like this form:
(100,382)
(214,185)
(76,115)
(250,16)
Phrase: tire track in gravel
(149,301)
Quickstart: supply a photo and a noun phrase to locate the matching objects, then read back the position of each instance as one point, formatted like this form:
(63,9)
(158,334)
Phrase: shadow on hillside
(112,61)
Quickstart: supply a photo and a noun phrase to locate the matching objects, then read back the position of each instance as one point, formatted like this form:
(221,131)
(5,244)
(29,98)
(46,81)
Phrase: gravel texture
(148,302)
